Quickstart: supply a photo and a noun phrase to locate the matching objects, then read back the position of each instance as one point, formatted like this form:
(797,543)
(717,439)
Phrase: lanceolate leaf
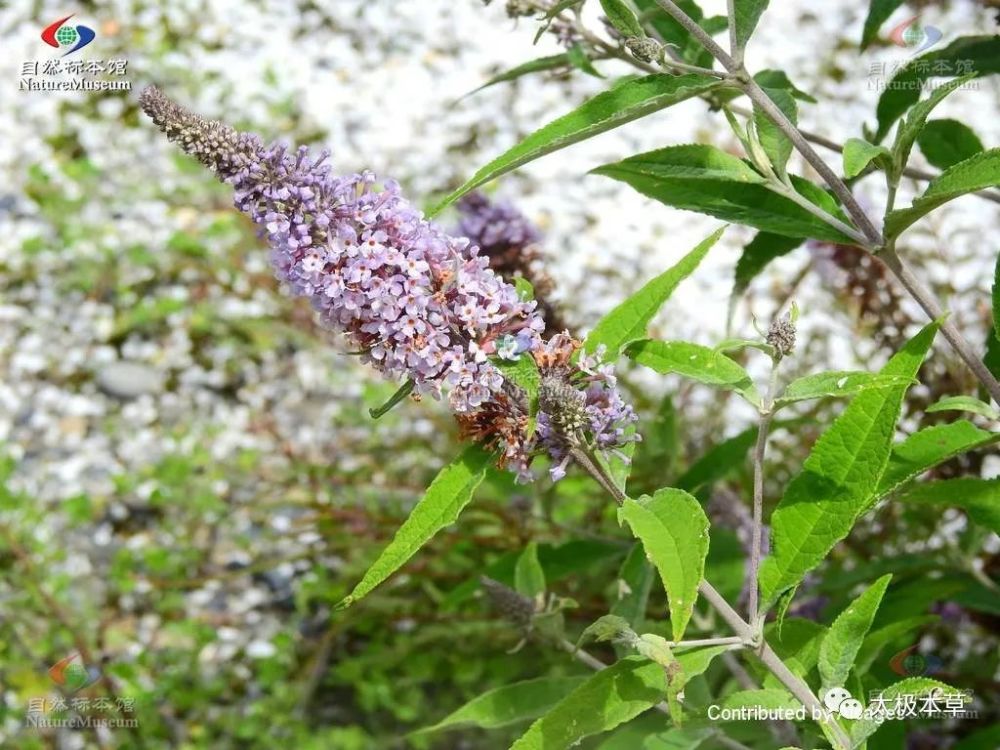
(979,172)
(440,506)
(841,644)
(878,13)
(945,142)
(538,65)
(622,17)
(746,15)
(965,403)
(630,100)
(978,54)
(629,320)
(607,698)
(822,502)
(836,383)
(980,498)
(673,529)
(509,704)
(762,249)
(529,578)
(775,143)
(706,179)
(693,361)
(917,117)
(926,449)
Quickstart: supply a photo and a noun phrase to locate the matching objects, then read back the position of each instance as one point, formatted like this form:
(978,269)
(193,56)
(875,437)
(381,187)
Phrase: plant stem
(925,298)
(734,46)
(796,197)
(766,415)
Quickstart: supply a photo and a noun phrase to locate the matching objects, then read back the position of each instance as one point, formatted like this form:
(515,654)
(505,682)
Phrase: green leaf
(762,249)
(706,179)
(629,320)
(858,153)
(926,449)
(775,143)
(529,578)
(778,79)
(579,59)
(822,502)
(693,361)
(630,100)
(980,498)
(917,117)
(622,18)
(979,54)
(946,142)
(673,530)
(842,642)
(538,65)
(635,580)
(877,640)
(835,383)
(607,699)
(509,704)
(878,13)
(404,390)
(977,173)
(525,291)
(607,628)
(867,725)
(746,14)
(965,403)
(719,461)
(440,506)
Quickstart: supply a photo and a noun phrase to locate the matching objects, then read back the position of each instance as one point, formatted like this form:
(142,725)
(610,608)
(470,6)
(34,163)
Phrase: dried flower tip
(644,49)
(565,406)
(517,608)
(781,335)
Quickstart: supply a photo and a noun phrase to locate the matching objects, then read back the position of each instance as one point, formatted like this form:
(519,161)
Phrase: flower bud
(645,49)
(511,605)
(781,335)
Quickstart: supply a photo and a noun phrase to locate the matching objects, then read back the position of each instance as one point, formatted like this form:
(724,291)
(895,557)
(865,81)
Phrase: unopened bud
(781,335)
(645,49)
(564,404)
(517,608)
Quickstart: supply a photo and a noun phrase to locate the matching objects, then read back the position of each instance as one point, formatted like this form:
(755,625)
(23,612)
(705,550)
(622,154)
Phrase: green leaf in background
(635,580)
(708,180)
(878,639)
(719,461)
(579,59)
(746,14)
(822,502)
(440,506)
(672,33)
(630,100)
(980,498)
(761,250)
(778,79)
(673,530)
(946,142)
(404,390)
(622,18)
(866,726)
(607,699)
(509,704)
(836,383)
(551,62)
(977,173)
(693,361)
(926,449)
(775,143)
(858,153)
(629,320)
(529,578)
(551,13)
(878,13)
(525,291)
(842,642)
(979,54)
(965,403)
(915,119)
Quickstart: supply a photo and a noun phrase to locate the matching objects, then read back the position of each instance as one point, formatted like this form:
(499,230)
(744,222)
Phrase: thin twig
(764,424)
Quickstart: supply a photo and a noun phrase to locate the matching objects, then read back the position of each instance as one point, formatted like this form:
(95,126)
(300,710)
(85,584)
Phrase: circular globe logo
(67,35)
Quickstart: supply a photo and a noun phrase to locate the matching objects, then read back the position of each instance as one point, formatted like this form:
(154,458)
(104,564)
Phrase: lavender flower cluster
(416,302)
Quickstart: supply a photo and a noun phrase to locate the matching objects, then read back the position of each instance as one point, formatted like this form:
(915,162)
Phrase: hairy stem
(764,424)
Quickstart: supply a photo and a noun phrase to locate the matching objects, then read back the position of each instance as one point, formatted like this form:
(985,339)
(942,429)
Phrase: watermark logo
(915,36)
(909,663)
(839,701)
(72,675)
(61,36)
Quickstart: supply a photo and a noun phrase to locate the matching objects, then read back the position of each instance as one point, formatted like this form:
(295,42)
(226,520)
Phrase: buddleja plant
(426,308)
